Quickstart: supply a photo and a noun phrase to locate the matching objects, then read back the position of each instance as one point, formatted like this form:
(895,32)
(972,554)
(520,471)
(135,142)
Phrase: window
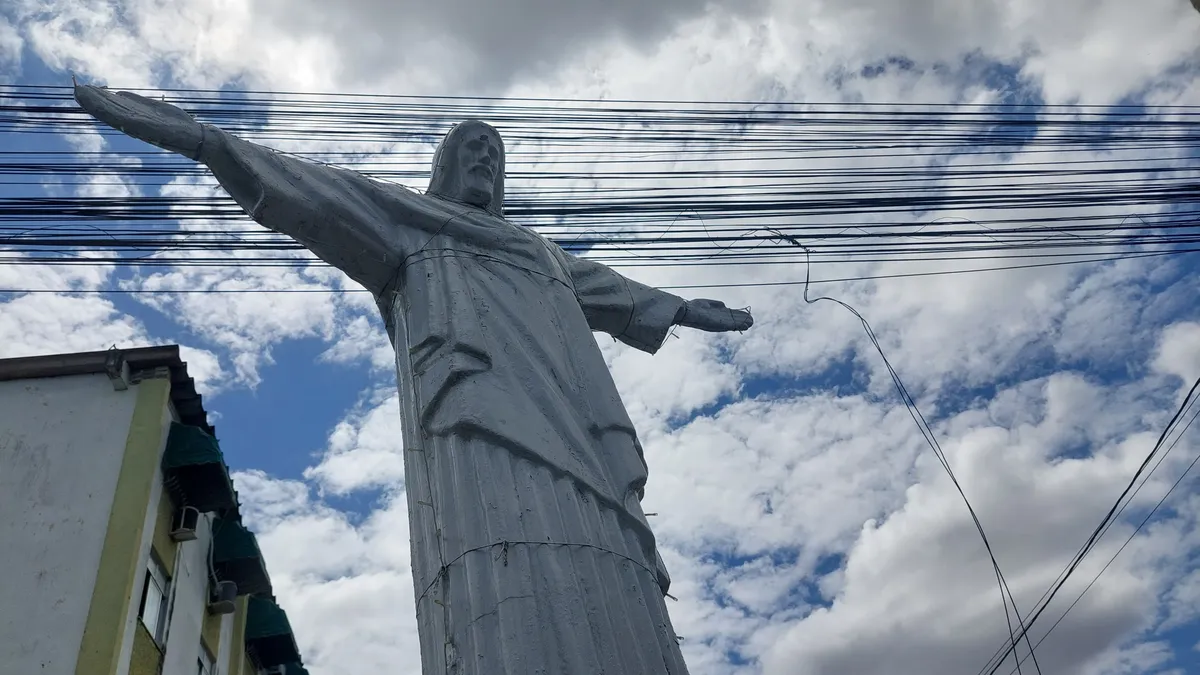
(155,592)
(204,664)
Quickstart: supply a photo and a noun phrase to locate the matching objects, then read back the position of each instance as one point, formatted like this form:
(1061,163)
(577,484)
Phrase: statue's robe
(524,475)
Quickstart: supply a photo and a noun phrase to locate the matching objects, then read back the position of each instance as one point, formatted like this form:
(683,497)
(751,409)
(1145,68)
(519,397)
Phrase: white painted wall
(224,660)
(61,444)
(190,587)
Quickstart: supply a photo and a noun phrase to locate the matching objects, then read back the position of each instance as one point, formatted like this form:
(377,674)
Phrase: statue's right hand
(155,122)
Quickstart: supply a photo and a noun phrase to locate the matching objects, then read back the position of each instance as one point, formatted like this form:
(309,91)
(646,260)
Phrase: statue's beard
(477,196)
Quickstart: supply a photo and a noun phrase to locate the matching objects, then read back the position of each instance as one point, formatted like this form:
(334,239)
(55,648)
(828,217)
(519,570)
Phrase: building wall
(136,652)
(106,643)
(164,518)
(224,660)
(190,588)
(144,654)
(82,492)
(212,634)
(237,642)
(62,441)
(189,622)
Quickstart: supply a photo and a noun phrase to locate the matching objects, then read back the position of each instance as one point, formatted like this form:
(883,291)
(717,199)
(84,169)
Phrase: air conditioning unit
(184,527)
(222,601)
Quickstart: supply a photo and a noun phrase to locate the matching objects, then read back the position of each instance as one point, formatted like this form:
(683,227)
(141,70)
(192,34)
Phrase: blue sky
(807,526)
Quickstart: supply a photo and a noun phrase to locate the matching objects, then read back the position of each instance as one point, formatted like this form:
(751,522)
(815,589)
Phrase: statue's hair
(446,180)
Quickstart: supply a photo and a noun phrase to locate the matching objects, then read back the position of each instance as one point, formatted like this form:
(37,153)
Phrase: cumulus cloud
(918,582)
(11,46)
(32,325)
(41,324)
(351,604)
(1070,50)
(1179,351)
(364,451)
(362,338)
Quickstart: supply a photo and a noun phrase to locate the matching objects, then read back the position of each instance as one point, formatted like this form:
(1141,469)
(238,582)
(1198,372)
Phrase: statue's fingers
(100,105)
(103,100)
(707,322)
(742,319)
(707,304)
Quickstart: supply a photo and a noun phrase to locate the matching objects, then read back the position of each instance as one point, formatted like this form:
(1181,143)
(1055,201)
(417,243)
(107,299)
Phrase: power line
(1133,534)
(614,179)
(1118,507)
(762,284)
(914,411)
(59,91)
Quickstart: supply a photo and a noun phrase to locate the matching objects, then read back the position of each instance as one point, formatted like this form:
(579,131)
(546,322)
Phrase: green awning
(236,557)
(194,470)
(269,635)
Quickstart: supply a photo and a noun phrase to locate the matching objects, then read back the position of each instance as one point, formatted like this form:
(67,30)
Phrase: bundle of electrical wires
(641,183)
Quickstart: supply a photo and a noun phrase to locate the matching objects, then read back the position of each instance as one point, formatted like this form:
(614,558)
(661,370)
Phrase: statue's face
(479,160)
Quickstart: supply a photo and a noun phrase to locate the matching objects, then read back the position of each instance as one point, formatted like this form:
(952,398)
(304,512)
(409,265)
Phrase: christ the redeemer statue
(530,550)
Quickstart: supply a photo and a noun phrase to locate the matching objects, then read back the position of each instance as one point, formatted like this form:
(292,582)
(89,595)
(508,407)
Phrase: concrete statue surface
(524,475)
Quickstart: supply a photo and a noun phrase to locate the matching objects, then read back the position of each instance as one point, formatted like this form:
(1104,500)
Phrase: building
(121,543)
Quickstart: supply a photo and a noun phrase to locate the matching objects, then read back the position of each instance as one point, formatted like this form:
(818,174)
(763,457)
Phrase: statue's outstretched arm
(640,315)
(333,212)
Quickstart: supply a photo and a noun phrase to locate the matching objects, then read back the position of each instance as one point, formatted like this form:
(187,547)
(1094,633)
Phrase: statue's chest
(477,234)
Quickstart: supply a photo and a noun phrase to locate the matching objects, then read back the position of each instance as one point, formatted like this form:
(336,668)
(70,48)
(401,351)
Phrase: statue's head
(468,166)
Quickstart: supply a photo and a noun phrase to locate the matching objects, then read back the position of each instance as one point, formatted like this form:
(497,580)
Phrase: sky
(808,528)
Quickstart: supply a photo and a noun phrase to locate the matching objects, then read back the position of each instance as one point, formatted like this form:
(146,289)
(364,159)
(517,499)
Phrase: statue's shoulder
(418,208)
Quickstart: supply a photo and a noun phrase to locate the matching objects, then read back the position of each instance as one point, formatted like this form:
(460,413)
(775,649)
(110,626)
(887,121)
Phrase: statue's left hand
(713,316)
(145,119)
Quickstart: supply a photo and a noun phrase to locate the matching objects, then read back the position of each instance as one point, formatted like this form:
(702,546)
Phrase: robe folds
(523,472)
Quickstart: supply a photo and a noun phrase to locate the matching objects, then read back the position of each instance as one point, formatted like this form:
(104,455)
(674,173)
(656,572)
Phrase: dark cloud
(479,44)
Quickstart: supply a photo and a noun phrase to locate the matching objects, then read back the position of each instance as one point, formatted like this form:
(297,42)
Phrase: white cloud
(11,46)
(683,376)
(1179,351)
(41,324)
(365,450)
(772,463)
(21,276)
(33,325)
(916,593)
(347,588)
(244,322)
(362,338)
(1074,49)
(205,367)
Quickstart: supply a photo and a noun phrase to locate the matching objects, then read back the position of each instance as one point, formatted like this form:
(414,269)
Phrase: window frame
(206,663)
(157,577)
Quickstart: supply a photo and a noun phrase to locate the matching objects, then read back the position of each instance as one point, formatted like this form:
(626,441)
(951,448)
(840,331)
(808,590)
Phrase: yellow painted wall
(237,653)
(163,545)
(104,629)
(146,654)
(211,633)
